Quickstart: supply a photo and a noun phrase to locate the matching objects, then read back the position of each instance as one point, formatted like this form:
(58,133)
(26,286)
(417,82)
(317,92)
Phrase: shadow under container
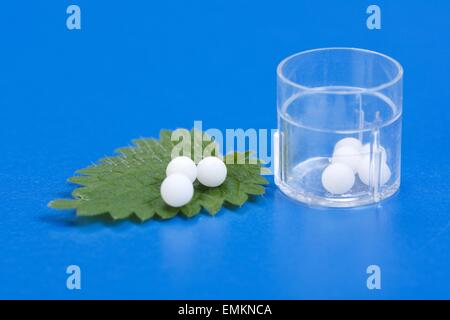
(324,96)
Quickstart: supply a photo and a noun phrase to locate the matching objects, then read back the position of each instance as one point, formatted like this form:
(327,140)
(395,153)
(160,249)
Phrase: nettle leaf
(129,183)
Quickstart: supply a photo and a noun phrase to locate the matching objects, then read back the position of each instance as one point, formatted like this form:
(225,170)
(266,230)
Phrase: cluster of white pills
(351,158)
(177,188)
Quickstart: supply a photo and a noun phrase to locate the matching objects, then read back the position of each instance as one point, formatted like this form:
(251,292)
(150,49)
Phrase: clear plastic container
(324,96)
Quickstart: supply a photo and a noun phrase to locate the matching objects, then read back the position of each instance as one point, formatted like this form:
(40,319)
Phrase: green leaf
(129,183)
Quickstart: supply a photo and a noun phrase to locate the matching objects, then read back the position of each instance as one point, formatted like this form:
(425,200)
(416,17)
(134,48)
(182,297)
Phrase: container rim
(389,83)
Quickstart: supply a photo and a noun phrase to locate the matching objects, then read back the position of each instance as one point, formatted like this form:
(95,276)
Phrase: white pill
(348,155)
(338,178)
(177,190)
(182,165)
(211,172)
(364,172)
(365,151)
(348,142)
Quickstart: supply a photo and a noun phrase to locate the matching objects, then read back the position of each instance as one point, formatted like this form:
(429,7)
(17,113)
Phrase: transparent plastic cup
(324,96)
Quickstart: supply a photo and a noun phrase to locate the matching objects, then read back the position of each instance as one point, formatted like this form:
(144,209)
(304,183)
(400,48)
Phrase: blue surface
(68,98)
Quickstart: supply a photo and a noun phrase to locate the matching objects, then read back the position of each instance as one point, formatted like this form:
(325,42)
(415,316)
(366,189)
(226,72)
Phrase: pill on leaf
(182,165)
(211,172)
(177,190)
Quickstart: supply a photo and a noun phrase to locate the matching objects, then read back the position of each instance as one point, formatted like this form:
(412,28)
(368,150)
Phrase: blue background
(68,98)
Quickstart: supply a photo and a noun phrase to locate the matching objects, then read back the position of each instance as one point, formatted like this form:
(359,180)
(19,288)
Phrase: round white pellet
(348,142)
(348,155)
(338,178)
(211,172)
(177,190)
(365,151)
(182,165)
(364,172)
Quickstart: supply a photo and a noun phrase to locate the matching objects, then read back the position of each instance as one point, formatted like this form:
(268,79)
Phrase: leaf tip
(62,204)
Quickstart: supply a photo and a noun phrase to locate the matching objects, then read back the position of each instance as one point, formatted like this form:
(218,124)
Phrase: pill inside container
(338,142)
